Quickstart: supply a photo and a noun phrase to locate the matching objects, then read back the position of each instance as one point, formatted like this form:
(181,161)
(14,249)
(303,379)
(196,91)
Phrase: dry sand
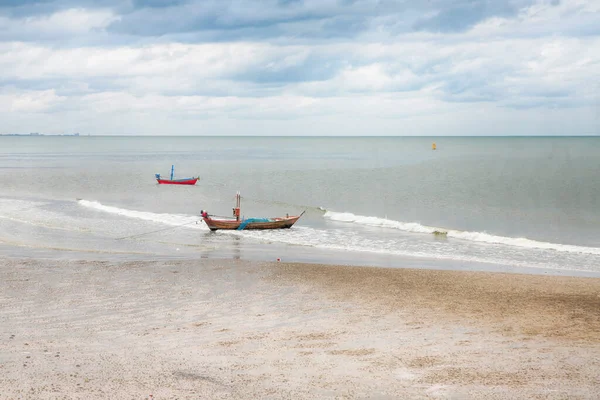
(231,329)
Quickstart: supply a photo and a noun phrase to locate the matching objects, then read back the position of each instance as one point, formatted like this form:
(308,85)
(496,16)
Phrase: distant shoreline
(40,134)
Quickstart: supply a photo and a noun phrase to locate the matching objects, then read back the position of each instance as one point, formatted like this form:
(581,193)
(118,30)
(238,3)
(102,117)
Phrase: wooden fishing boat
(182,181)
(239,224)
(251,223)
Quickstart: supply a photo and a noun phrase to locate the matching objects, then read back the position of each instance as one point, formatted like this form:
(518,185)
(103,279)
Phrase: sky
(300,67)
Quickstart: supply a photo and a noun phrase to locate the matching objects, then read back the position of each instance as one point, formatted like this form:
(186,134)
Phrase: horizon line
(292,136)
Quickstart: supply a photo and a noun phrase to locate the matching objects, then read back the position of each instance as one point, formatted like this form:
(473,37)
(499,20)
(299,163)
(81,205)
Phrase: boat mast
(238,201)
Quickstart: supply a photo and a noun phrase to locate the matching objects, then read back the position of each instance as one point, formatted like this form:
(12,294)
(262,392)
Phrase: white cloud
(74,21)
(62,24)
(26,61)
(30,101)
(531,68)
(373,114)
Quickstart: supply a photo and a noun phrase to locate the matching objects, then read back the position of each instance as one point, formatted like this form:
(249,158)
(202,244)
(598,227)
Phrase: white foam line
(310,237)
(315,240)
(481,237)
(167,219)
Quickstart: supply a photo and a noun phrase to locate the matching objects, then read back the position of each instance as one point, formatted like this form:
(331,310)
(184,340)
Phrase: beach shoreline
(217,328)
(257,252)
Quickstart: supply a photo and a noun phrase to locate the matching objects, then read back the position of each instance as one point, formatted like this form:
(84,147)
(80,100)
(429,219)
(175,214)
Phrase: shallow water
(511,202)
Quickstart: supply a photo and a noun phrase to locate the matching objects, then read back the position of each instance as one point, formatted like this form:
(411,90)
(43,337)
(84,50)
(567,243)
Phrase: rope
(160,230)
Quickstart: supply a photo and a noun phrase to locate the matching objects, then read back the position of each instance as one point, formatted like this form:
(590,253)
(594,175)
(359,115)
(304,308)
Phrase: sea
(514,204)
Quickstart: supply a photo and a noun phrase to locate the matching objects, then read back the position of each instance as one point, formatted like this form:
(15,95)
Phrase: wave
(163,218)
(349,240)
(481,237)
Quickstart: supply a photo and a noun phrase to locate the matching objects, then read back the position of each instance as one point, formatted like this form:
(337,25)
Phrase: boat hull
(188,181)
(274,223)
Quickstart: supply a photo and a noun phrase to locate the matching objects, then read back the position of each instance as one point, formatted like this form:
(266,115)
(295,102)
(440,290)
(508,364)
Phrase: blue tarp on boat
(249,220)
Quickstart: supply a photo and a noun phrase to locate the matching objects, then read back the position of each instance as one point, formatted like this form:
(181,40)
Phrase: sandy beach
(235,329)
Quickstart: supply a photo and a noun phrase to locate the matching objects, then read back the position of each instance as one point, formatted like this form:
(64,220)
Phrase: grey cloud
(213,20)
(28,8)
(272,20)
(153,21)
(453,20)
(462,15)
(218,20)
(157,3)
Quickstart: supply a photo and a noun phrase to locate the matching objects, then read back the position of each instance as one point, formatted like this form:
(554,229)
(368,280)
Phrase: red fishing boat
(183,181)
(237,223)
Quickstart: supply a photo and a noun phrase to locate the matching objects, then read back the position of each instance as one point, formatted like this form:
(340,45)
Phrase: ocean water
(517,202)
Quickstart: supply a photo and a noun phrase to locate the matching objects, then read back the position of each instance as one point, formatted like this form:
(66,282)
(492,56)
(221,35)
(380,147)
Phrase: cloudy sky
(300,67)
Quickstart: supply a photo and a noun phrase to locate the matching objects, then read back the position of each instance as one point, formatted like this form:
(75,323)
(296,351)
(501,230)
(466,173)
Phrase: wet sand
(232,329)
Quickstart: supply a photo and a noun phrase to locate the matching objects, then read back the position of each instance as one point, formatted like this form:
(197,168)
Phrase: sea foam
(481,237)
(163,218)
